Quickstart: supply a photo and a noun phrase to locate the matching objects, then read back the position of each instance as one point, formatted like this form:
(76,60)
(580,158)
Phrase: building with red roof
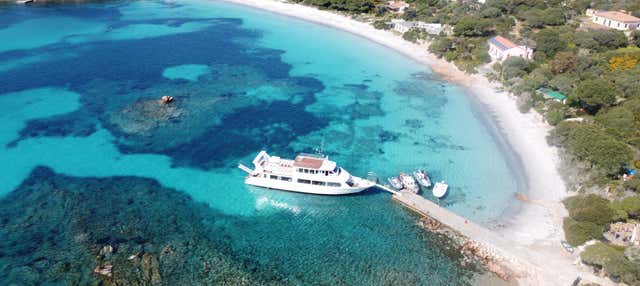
(501,48)
(619,20)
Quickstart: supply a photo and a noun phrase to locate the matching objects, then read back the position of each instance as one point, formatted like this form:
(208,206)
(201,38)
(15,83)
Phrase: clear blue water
(79,86)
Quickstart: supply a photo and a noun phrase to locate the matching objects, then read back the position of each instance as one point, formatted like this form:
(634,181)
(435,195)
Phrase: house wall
(501,55)
(614,24)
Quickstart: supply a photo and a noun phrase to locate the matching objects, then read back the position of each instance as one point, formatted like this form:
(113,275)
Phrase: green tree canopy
(589,208)
(472,26)
(596,93)
(548,42)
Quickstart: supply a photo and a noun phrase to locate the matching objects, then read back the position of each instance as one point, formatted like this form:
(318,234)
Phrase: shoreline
(536,227)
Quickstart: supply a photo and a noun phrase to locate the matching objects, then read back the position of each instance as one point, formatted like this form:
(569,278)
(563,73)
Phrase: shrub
(577,233)
(380,25)
(633,184)
(629,205)
(613,261)
(590,143)
(589,208)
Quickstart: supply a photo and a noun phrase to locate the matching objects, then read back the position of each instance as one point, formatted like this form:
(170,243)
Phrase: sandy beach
(536,230)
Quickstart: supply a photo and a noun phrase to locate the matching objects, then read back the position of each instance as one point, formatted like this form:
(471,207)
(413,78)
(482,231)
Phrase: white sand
(536,230)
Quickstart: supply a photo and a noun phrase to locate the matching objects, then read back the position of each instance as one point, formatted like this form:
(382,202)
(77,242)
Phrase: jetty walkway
(492,245)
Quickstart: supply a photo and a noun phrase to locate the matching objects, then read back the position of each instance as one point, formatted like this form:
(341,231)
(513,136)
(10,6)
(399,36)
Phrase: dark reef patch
(77,124)
(215,118)
(58,229)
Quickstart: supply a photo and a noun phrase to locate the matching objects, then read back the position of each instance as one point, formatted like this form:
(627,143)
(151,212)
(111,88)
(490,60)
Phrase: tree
(490,12)
(564,62)
(441,46)
(635,38)
(618,121)
(548,42)
(596,93)
(553,17)
(514,67)
(472,26)
(609,39)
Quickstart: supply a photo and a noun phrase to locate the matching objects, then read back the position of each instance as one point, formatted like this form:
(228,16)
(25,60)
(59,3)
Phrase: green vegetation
(352,6)
(613,261)
(599,71)
(592,144)
(588,217)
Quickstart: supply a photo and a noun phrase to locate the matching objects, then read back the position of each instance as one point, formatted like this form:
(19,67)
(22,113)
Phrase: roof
(552,93)
(308,162)
(397,4)
(618,16)
(502,43)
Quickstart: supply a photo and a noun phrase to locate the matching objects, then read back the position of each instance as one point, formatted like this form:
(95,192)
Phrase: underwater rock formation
(113,231)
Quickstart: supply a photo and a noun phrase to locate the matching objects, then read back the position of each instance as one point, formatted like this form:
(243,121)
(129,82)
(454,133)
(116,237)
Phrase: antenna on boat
(320,149)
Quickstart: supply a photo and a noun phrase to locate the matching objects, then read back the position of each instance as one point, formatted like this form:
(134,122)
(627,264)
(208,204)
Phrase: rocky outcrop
(472,251)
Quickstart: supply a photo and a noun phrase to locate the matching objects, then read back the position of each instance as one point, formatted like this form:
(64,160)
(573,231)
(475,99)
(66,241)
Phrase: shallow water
(80,97)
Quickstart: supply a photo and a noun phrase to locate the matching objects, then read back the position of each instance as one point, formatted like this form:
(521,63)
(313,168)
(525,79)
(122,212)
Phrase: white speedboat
(423,178)
(307,173)
(440,189)
(395,182)
(409,183)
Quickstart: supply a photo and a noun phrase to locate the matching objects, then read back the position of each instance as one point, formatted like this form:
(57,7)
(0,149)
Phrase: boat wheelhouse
(307,173)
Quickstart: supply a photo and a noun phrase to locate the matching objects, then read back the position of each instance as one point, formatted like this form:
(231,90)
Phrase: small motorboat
(395,182)
(423,178)
(440,189)
(409,183)
(567,246)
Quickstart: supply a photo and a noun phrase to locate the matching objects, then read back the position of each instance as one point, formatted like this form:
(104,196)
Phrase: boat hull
(306,188)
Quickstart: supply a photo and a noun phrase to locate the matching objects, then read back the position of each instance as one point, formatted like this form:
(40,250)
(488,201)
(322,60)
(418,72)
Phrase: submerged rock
(165,99)
(104,270)
(143,116)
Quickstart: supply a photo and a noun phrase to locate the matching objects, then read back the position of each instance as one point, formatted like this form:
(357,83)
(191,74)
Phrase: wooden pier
(492,244)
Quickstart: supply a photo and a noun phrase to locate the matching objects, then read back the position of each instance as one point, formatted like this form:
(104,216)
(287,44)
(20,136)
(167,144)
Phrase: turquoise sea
(88,157)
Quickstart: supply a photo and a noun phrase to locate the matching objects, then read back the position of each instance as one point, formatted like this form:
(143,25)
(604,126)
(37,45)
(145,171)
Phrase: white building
(614,19)
(397,6)
(500,49)
(403,26)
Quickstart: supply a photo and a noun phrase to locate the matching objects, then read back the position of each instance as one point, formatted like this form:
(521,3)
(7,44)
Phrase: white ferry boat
(308,173)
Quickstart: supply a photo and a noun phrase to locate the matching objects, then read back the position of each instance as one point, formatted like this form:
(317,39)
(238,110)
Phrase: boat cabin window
(317,183)
(306,171)
(304,181)
(273,177)
(265,175)
(331,184)
(288,179)
(299,170)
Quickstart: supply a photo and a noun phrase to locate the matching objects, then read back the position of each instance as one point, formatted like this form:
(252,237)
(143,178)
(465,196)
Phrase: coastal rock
(150,269)
(165,99)
(142,117)
(104,270)
(107,249)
